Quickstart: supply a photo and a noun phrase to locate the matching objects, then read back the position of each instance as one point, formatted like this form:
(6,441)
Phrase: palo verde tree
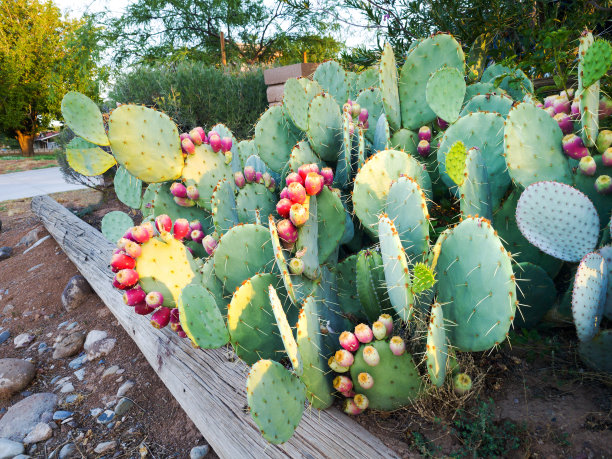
(42,56)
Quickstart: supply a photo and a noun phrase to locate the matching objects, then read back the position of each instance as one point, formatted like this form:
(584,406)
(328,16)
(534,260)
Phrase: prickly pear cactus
(84,118)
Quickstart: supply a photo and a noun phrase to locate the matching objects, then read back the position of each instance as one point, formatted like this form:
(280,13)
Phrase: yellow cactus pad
(88,159)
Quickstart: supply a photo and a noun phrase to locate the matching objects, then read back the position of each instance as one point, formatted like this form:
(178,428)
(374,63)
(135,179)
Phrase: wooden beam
(208,384)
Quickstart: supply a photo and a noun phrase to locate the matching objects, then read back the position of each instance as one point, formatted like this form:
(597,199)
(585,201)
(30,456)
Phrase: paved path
(26,184)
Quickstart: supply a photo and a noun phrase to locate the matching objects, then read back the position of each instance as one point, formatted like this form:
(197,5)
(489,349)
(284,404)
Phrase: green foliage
(196,94)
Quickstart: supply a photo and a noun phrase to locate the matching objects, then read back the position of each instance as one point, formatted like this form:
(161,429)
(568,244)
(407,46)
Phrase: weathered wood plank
(209,385)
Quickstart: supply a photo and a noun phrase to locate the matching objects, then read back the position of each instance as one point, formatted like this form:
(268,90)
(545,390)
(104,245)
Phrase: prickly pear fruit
(441,123)
(210,244)
(178,190)
(214,140)
(258,177)
(379,330)
(574,147)
(371,356)
(331,362)
(184,202)
(361,401)
(143,309)
(603,185)
(565,122)
(296,266)
(298,215)
(283,207)
(363,115)
(134,296)
(127,277)
(328,175)
(365,380)
(364,333)
(197,236)
(462,383)
(397,345)
(604,140)
(140,234)
(154,299)
(305,169)
(181,228)
(249,174)
(226,144)
(344,358)
(605,108)
(342,383)
(287,231)
(192,192)
(424,148)
(239,179)
(163,223)
(355,109)
(294,177)
(587,165)
(188,146)
(561,105)
(606,157)
(313,184)
(202,134)
(349,407)
(387,321)
(121,261)
(425,133)
(133,249)
(196,137)
(228,157)
(160,318)
(349,341)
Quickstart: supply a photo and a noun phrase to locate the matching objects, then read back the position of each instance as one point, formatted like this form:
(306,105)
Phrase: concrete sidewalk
(18,185)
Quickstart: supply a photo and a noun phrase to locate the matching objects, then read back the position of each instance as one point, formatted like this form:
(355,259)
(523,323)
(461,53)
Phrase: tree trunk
(26,143)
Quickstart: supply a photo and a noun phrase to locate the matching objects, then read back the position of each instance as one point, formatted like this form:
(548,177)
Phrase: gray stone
(72,398)
(80,374)
(199,452)
(106,447)
(66,388)
(23,416)
(15,375)
(67,451)
(61,415)
(69,345)
(77,363)
(23,339)
(35,267)
(72,325)
(5,252)
(125,388)
(40,432)
(8,309)
(110,371)
(123,406)
(93,337)
(6,334)
(106,417)
(75,293)
(29,238)
(101,348)
(42,347)
(10,449)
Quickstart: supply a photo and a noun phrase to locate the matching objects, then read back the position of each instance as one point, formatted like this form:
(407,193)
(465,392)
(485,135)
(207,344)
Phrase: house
(45,140)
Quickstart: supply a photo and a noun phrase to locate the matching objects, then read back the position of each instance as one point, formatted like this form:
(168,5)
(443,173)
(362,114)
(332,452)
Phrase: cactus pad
(589,295)
(324,127)
(536,294)
(297,95)
(115,224)
(128,188)
(213,285)
(588,96)
(88,159)
(200,318)
(596,353)
(596,61)
(307,242)
(275,136)
(405,140)
(382,134)
(223,207)
(455,162)
(515,82)
(246,149)
(331,218)
(498,103)
(371,287)
(436,353)
(475,191)
(286,332)
(254,202)
(346,272)
(332,78)
(371,99)
(606,252)
(367,79)
(445,92)
(480,88)
(388,87)
(303,154)
(83,116)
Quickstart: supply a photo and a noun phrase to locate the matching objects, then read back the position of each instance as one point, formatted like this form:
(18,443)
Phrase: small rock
(125,388)
(106,447)
(93,337)
(62,381)
(67,451)
(106,417)
(80,374)
(29,238)
(95,412)
(123,406)
(110,371)
(41,432)
(75,293)
(77,363)
(23,339)
(72,398)
(10,449)
(23,416)
(5,252)
(66,388)
(6,334)
(199,452)
(15,375)
(100,348)
(61,415)
(8,309)
(69,345)
(42,347)
(35,267)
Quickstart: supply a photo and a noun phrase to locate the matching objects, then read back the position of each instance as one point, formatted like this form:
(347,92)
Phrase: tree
(42,56)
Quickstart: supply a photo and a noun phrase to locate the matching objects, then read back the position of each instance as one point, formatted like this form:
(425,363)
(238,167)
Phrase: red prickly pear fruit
(387,321)
(380,330)
(202,134)
(365,380)
(364,333)
(298,214)
(462,383)
(284,194)
(587,166)
(425,133)
(181,228)
(174,316)
(134,296)
(424,148)
(163,223)
(117,285)
(215,142)
(328,175)
(561,105)
(149,227)
(331,362)
(294,177)
(565,122)
(296,266)
(210,244)
(184,202)
(603,184)
(128,235)
(121,261)
(154,299)
(344,358)
(188,146)
(239,179)
(355,110)
(195,225)
(249,174)
(304,169)
(226,144)
(363,115)
(160,318)
(342,383)
(606,157)
(441,123)
(127,277)
(287,231)
(196,137)
(143,309)
(371,356)
(121,243)
(133,249)
(140,234)
(297,193)
(349,341)
(313,183)
(349,407)
(574,147)
(361,401)
(181,333)
(283,207)
(197,236)
(192,192)
(178,190)
(397,345)
(183,136)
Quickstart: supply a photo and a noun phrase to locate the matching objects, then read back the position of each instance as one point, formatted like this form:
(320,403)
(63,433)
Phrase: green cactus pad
(373,182)
(351,79)
(276,399)
(371,288)
(332,78)
(83,116)
(148,198)
(480,88)
(586,184)
(246,149)
(498,103)
(536,294)
(325,127)
(223,206)
(423,278)
(396,379)
(367,79)
(445,92)
(388,87)
(254,203)
(307,241)
(606,252)
(484,131)
(88,159)
(588,96)
(286,332)
(407,206)
(146,142)
(331,218)
(164,204)
(166,266)
(371,99)
(397,274)
(213,285)
(476,285)
(589,295)
(326,295)
(275,136)
(346,273)
(595,62)
(128,188)
(242,252)
(310,345)
(514,82)
(297,95)
(455,162)
(382,135)
(596,353)
(426,57)
(475,191)
(405,140)
(303,154)
(532,144)
(436,353)
(344,170)
(200,318)
(115,224)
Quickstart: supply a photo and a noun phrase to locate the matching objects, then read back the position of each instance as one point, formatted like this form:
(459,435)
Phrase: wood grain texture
(208,384)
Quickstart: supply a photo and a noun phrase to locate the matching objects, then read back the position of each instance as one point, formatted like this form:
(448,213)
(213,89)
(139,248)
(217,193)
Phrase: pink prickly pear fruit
(304,169)
(183,136)
(342,383)
(603,142)
(298,214)
(297,193)
(128,236)
(606,157)
(603,185)
(258,177)
(363,115)
(348,393)
(127,277)
(188,146)
(174,316)
(184,202)
(328,176)
(441,123)
(587,166)
(567,94)
(228,157)
(365,380)
(331,362)
(202,134)
(349,407)
(364,333)
(313,183)
(287,231)
(160,318)
(575,109)
(210,244)
(140,234)
(361,402)
(196,137)
(349,341)
(561,105)
(226,144)
(121,243)
(149,227)
(134,296)
(565,122)
(283,207)
(605,108)
(121,261)
(133,249)
(549,101)
(195,225)
(355,110)
(550,111)
(143,309)
(294,177)
(296,266)
(379,330)
(397,345)
(249,174)
(214,141)
(387,321)
(425,133)
(181,228)
(272,185)
(181,333)
(154,299)
(424,148)
(284,194)
(239,179)
(197,236)
(117,285)
(573,146)
(370,356)
(163,223)
(192,192)
(344,358)
(539,105)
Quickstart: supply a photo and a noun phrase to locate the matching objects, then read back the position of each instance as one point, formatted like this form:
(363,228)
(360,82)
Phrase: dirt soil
(531,399)
(20,165)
